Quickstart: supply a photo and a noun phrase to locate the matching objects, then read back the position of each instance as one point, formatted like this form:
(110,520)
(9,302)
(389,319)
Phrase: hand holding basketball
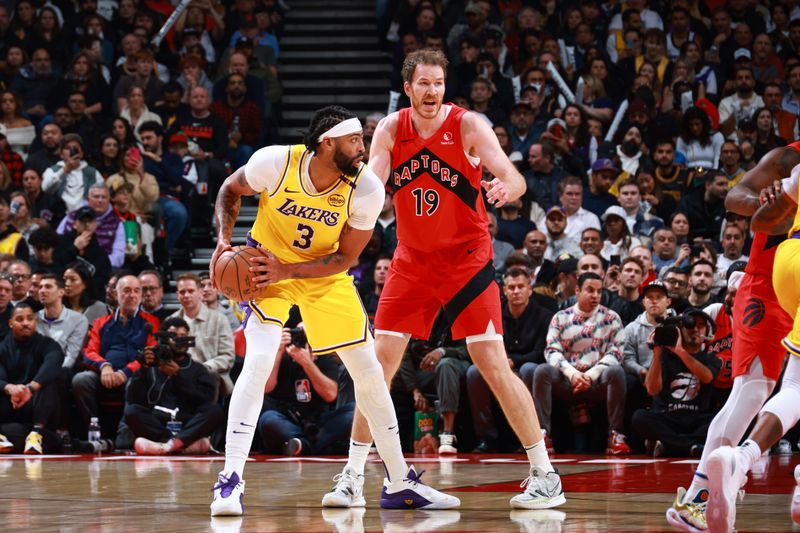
(222,246)
(231,272)
(267,269)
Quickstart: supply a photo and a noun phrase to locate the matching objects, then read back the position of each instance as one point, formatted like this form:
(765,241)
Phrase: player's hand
(268,270)
(769,195)
(430,360)
(496,192)
(222,246)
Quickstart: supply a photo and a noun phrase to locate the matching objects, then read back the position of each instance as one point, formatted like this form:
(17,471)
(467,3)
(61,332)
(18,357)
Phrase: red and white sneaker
(617,445)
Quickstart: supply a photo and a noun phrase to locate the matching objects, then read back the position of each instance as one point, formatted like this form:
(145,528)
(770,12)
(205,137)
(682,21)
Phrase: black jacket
(39,359)
(525,337)
(192,387)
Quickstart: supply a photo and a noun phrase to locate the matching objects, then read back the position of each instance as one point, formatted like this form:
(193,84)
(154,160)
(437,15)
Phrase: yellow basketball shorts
(786,281)
(333,315)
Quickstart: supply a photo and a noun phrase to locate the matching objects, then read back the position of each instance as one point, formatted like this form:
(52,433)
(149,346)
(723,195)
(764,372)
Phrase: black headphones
(689,317)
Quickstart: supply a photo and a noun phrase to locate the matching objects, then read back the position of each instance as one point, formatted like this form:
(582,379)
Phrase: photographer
(679,380)
(170,379)
(299,414)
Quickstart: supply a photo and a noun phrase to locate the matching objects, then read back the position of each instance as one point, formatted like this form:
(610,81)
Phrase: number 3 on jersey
(304,240)
(426,201)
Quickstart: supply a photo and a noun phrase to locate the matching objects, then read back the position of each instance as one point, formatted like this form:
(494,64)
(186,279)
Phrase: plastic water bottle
(94,429)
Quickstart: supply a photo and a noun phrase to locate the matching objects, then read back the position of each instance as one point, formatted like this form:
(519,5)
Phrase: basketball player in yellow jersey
(318,207)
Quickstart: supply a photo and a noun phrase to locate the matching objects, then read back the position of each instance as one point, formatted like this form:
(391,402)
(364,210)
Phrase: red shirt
(437,192)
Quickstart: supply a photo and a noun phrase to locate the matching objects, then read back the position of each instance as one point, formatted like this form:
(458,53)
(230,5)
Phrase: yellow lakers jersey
(297,225)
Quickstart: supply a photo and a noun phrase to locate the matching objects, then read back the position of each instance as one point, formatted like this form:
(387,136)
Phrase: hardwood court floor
(128,494)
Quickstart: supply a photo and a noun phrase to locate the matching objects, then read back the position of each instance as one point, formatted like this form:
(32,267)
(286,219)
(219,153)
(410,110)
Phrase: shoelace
(344,477)
(225,483)
(415,479)
(528,479)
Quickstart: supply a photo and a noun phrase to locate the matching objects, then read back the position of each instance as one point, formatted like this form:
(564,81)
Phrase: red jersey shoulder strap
(795,145)
(405,128)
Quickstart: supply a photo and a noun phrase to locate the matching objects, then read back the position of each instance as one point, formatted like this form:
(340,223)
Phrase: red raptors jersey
(762,254)
(720,347)
(437,192)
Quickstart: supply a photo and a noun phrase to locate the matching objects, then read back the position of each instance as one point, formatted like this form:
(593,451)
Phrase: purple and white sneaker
(411,493)
(228,494)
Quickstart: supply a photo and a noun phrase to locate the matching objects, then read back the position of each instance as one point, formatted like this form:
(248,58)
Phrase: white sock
(537,455)
(699,482)
(357,456)
(248,394)
(749,452)
(375,403)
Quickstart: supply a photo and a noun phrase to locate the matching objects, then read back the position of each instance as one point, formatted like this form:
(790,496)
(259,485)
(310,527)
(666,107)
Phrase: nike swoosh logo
(246,425)
(287,190)
(240,432)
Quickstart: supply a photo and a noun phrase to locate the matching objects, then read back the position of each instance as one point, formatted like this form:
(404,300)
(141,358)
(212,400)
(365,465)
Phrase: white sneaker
(539,521)
(228,495)
(796,496)
(144,446)
(447,444)
(542,491)
(6,446)
(348,491)
(345,520)
(411,493)
(725,478)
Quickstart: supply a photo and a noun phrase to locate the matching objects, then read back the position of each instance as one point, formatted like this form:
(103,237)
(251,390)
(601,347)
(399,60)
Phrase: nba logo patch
(447,138)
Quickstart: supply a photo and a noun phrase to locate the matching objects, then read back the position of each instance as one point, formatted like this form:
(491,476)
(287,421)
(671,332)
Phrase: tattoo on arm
(228,204)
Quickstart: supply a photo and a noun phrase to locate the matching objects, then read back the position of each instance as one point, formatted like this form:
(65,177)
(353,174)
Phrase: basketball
(232,273)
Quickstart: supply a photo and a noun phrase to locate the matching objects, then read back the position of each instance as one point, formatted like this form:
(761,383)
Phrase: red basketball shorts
(459,280)
(759,326)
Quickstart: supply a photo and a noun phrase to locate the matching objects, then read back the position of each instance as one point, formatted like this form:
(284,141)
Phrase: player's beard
(347,165)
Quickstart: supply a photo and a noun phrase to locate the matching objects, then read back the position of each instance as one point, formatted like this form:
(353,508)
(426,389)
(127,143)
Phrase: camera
(666,333)
(299,338)
(163,351)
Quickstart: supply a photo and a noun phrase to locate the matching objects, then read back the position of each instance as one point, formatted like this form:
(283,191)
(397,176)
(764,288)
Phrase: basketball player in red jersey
(759,327)
(431,155)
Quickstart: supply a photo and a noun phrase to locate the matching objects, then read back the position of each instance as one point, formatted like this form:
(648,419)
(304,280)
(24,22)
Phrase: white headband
(345,127)
(735,279)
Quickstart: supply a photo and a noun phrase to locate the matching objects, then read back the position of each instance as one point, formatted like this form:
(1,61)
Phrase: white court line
(623,461)
(18,456)
(309,459)
(188,458)
(686,462)
(521,461)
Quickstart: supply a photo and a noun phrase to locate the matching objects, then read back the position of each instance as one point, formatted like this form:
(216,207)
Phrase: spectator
(11,240)
(87,126)
(29,367)
(370,298)
(501,248)
(71,178)
(676,280)
(167,169)
(705,208)
(679,224)
(629,304)
(211,298)
(629,151)
(665,251)
(741,105)
(678,423)
(544,176)
(49,153)
(637,352)
(729,158)
(112,348)
(699,145)
(298,417)
(525,327)
(242,118)
(785,122)
(138,233)
(596,197)
(142,75)
(79,292)
(535,246)
(213,338)
(732,249)
(765,139)
(153,293)
(81,242)
(701,281)
(172,104)
(20,292)
(525,129)
(182,385)
(591,241)
(11,160)
(136,111)
(581,367)
(65,326)
(145,187)
(567,281)
(616,237)
(109,230)
(511,225)
(36,81)
(558,243)
(641,223)
(192,74)
(44,242)
(791,101)
(570,195)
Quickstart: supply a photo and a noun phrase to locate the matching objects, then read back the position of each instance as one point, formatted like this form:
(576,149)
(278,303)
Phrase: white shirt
(732,105)
(579,221)
(263,171)
(650,19)
(74,192)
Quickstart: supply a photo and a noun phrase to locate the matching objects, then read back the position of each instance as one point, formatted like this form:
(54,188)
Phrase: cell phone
(629,44)
(615,260)
(73,151)
(557,131)
(696,250)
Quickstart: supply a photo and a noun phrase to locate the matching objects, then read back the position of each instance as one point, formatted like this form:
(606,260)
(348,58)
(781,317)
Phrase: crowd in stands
(630,122)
